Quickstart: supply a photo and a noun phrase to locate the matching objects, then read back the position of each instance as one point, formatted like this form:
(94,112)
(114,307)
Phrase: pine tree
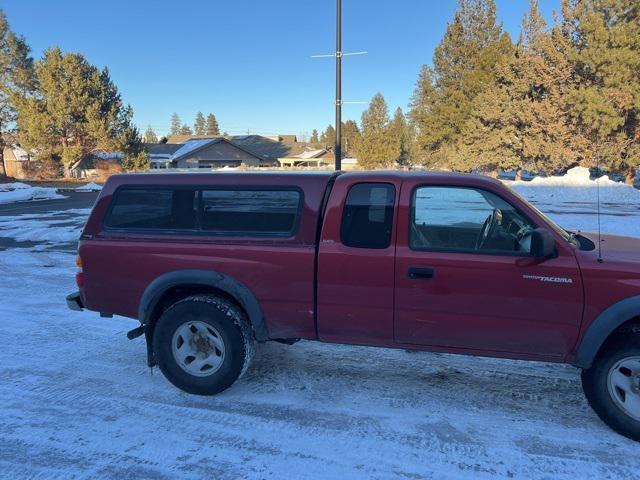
(314,136)
(400,135)
(136,157)
(212,125)
(17,78)
(185,130)
(150,136)
(519,120)
(328,137)
(376,147)
(421,115)
(350,136)
(606,106)
(76,109)
(463,64)
(200,127)
(175,124)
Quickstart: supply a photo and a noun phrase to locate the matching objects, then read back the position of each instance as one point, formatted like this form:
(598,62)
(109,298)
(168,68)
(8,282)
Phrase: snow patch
(8,187)
(21,192)
(89,187)
(575,177)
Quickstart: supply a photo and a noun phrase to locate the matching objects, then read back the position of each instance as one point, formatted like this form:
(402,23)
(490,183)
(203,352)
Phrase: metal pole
(338,146)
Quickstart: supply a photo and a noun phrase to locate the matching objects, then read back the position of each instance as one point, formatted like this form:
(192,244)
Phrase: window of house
(367,219)
(466,219)
(250,212)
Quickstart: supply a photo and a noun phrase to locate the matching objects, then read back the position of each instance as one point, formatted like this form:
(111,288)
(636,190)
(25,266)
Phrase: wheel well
(630,326)
(180,292)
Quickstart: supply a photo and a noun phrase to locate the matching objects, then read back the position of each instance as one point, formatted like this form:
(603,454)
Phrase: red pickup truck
(212,263)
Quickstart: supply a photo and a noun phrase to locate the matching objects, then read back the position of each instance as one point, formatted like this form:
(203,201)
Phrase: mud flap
(151,358)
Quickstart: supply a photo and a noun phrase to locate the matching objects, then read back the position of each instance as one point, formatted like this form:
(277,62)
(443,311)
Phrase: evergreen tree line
(562,95)
(61,107)
(380,141)
(201,126)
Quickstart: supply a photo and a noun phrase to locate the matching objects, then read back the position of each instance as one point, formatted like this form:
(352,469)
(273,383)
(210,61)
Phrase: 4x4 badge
(542,278)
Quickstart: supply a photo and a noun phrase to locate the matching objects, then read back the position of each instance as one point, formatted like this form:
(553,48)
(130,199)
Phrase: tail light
(79,274)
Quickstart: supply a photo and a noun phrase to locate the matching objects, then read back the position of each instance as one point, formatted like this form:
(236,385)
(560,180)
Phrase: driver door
(456,290)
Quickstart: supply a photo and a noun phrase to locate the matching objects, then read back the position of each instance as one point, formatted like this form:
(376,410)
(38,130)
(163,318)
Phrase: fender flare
(602,327)
(206,278)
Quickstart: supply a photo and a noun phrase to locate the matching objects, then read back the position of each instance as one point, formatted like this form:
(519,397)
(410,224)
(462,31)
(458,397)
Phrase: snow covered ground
(571,201)
(76,400)
(89,187)
(21,192)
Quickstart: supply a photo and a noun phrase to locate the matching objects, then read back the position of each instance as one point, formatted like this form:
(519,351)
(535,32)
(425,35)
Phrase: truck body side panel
(279,272)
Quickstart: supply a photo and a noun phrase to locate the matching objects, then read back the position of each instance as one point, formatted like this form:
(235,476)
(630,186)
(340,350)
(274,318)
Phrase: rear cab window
(152,209)
(205,211)
(367,218)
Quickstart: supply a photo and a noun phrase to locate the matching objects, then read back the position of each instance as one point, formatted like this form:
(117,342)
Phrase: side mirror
(542,243)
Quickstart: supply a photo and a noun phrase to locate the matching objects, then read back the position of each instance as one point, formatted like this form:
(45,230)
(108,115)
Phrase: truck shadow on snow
(336,378)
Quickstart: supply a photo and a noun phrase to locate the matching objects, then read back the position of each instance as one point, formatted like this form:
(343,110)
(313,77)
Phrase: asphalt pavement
(73,200)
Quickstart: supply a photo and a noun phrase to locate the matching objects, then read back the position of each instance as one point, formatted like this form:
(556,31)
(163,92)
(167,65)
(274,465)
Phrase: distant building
(16,162)
(86,167)
(235,151)
(160,154)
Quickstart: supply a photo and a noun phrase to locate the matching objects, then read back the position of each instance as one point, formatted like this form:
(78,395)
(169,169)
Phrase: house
(87,166)
(217,152)
(160,154)
(308,158)
(235,151)
(221,152)
(16,162)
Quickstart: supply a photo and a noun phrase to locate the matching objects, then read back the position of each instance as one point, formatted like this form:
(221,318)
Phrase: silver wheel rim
(198,348)
(623,382)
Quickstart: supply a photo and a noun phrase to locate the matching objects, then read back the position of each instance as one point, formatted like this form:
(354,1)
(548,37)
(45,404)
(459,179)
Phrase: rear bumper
(74,302)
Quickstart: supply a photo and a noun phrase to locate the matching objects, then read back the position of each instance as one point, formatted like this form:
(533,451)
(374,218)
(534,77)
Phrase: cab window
(367,219)
(468,220)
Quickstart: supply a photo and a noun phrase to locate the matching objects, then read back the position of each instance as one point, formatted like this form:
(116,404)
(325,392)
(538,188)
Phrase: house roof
(311,154)
(16,153)
(192,146)
(266,149)
(185,138)
(161,150)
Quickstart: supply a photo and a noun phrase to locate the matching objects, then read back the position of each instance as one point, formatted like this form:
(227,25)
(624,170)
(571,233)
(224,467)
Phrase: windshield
(568,236)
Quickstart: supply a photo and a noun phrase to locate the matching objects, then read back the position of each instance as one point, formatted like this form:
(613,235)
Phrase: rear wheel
(612,386)
(203,344)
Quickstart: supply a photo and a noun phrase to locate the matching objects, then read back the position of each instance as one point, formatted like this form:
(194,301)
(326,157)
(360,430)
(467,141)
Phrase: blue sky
(249,62)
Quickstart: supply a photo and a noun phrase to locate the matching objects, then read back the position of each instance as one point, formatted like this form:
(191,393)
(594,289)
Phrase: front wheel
(203,344)
(612,386)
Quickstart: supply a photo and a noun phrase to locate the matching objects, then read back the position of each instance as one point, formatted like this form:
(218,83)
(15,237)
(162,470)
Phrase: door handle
(421,272)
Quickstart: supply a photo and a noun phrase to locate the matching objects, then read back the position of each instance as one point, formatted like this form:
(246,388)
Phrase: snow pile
(8,187)
(575,177)
(89,187)
(21,192)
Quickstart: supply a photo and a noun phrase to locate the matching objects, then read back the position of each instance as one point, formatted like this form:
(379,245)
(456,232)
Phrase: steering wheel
(488,228)
(523,239)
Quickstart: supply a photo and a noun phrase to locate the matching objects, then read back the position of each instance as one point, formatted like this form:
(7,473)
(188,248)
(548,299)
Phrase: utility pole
(339,102)
(338,146)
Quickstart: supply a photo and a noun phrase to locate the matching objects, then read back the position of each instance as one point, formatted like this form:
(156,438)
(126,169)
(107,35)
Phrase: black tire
(595,383)
(234,331)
